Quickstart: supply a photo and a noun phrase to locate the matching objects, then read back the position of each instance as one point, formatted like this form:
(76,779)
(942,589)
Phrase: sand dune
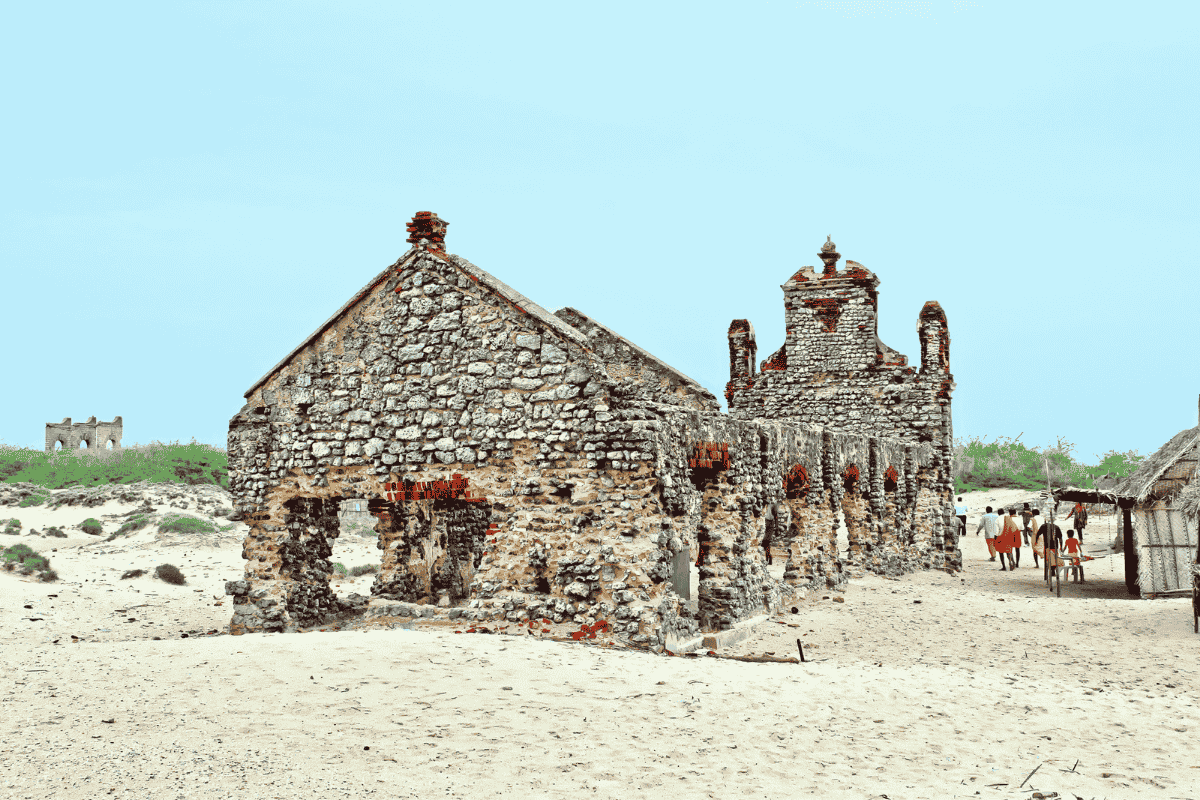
(930,686)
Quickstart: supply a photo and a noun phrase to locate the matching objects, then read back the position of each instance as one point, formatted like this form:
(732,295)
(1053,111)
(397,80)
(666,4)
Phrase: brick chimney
(428,227)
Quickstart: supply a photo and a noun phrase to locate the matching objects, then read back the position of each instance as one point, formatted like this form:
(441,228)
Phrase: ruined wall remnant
(834,371)
(93,434)
(519,464)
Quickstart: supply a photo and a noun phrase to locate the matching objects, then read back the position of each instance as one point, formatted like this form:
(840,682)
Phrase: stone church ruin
(92,434)
(519,464)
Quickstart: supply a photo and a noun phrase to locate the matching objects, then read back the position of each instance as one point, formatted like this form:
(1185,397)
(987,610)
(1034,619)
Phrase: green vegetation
(92,526)
(34,500)
(1008,464)
(13,526)
(156,462)
(170,574)
(134,523)
(354,572)
(28,561)
(177,523)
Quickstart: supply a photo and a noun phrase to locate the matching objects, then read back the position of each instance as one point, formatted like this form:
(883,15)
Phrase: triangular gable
(648,356)
(490,282)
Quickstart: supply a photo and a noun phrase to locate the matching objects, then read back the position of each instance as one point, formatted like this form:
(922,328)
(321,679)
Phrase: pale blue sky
(192,188)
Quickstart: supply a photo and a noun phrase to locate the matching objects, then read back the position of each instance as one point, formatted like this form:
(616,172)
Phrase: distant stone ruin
(93,434)
(518,464)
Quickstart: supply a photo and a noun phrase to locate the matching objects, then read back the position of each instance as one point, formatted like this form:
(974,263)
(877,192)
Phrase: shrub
(170,574)
(28,561)
(17,553)
(363,569)
(340,569)
(13,527)
(91,526)
(134,523)
(178,523)
(35,562)
(223,512)
(56,531)
(133,573)
(34,500)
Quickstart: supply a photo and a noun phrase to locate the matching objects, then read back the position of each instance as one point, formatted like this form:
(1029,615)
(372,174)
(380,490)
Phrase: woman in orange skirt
(1004,542)
(1011,524)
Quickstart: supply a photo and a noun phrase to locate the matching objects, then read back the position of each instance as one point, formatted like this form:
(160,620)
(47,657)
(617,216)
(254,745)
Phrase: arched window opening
(890,479)
(795,483)
(850,479)
(83,444)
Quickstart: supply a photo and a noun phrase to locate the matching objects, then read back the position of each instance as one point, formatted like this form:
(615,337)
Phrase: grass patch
(91,526)
(12,527)
(178,523)
(54,530)
(340,569)
(188,464)
(169,573)
(363,569)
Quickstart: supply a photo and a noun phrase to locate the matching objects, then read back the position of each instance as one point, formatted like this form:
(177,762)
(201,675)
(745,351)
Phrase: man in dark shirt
(1026,515)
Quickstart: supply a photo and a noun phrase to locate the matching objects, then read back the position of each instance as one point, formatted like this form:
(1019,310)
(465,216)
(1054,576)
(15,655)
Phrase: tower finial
(829,255)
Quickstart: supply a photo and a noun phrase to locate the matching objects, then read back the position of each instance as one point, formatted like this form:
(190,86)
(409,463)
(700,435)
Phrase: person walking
(1014,532)
(1039,549)
(1051,543)
(960,511)
(1080,514)
(1003,545)
(989,523)
(1026,516)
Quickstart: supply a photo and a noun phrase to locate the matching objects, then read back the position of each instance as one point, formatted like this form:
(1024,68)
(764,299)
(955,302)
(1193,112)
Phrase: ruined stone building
(522,464)
(105,435)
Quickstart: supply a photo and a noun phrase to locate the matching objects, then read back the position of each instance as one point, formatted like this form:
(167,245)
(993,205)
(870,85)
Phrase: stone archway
(856,516)
(431,547)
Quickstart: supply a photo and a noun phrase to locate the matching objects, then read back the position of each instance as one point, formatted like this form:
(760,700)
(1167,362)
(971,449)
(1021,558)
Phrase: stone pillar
(743,349)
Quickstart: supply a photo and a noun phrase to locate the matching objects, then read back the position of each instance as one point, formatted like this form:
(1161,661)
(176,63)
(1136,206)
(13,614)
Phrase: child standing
(1073,554)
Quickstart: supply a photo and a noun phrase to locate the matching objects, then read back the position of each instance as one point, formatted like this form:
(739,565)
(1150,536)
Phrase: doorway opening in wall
(354,553)
(58,446)
(83,444)
(109,446)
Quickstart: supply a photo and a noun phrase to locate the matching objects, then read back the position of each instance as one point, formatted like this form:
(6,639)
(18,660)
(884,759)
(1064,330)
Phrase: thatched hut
(1163,542)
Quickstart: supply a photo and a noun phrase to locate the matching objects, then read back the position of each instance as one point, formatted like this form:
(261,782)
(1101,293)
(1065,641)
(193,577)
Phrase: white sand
(960,695)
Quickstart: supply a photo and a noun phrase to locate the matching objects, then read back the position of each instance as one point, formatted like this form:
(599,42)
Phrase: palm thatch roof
(1189,500)
(1139,484)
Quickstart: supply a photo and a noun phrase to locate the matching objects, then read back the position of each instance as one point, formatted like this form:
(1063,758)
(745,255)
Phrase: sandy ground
(931,686)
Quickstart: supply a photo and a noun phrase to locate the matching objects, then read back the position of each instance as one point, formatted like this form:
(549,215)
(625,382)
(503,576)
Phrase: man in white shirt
(960,511)
(989,523)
